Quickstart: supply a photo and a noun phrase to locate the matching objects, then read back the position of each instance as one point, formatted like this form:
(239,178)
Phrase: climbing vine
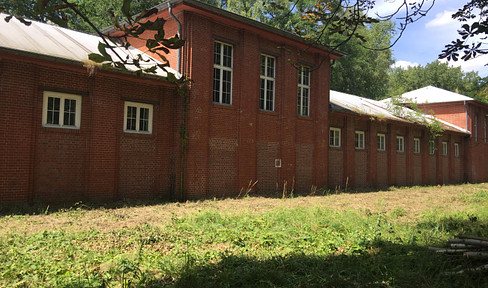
(396,106)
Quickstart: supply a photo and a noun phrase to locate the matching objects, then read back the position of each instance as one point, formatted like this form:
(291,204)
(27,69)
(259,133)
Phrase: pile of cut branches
(474,249)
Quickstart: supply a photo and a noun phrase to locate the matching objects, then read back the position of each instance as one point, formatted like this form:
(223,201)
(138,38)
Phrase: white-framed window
(359,140)
(61,110)
(267,85)
(416,145)
(222,75)
(431,147)
(400,143)
(303,91)
(444,148)
(335,137)
(138,117)
(381,142)
(456,150)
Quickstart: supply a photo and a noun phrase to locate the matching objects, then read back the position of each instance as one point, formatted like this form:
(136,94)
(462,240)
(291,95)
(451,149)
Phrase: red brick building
(259,110)
(464,112)
(370,146)
(67,135)
(243,121)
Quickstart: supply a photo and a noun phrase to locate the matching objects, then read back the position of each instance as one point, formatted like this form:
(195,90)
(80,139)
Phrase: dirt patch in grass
(414,201)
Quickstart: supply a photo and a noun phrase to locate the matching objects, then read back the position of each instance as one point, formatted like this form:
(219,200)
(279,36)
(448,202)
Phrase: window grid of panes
(359,140)
(431,147)
(267,85)
(444,148)
(416,145)
(400,144)
(61,111)
(381,142)
(335,137)
(53,110)
(138,117)
(222,76)
(303,91)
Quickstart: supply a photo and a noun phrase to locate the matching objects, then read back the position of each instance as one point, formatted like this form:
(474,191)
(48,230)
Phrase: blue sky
(424,40)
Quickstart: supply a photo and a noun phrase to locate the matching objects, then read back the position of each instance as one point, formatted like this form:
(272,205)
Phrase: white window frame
(359,140)
(61,113)
(303,104)
(456,150)
(267,83)
(416,145)
(381,144)
(334,137)
(138,107)
(431,147)
(444,148)
(222,68)
(400,140)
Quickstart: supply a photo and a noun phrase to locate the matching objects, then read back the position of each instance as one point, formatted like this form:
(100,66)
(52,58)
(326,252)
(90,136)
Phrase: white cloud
(404,64)
(477,64)
(384,8)
(441,19)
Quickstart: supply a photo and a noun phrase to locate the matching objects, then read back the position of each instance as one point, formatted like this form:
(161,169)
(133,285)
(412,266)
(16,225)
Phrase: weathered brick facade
(232,145)
(97,161)
(229,145)
(368,167)
(472,116)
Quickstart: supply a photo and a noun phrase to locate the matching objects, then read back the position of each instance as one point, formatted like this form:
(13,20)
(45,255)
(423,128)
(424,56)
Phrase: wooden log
(461,246)
(469,241)
(477,269)
(476,255)
(471,237)
(448,251)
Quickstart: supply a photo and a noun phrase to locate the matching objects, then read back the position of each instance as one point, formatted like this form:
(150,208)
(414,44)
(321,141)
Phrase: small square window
(138,117)
(444,148)
(359,140)
(400,143)
(456,150)
(61,110)
(416,145)
(335,137)
(381,142)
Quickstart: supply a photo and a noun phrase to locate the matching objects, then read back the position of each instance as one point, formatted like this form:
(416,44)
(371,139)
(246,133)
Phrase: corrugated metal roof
(50,40)
(351,104)
(362,106)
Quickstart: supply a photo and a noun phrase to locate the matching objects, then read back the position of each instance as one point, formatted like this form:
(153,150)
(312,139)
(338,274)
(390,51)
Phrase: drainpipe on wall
(183,132)
(178,60)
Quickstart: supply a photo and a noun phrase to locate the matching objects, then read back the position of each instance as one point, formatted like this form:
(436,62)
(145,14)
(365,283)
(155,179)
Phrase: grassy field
(375,239)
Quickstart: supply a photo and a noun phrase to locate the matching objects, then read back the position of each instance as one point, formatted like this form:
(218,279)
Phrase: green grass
(208,244)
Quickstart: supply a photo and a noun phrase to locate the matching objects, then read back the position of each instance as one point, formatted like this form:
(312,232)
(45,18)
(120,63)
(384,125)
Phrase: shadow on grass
(46,209)
(389,266)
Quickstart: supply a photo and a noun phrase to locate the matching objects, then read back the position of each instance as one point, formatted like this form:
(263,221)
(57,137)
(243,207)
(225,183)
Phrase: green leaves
(471,42)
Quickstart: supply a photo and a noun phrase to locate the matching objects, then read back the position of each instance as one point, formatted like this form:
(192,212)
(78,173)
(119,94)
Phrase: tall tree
(364,71)
(437,74)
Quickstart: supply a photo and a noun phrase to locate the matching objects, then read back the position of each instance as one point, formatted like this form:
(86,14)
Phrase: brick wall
(372,168)
(454,113)
(259,137)
(97,161)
